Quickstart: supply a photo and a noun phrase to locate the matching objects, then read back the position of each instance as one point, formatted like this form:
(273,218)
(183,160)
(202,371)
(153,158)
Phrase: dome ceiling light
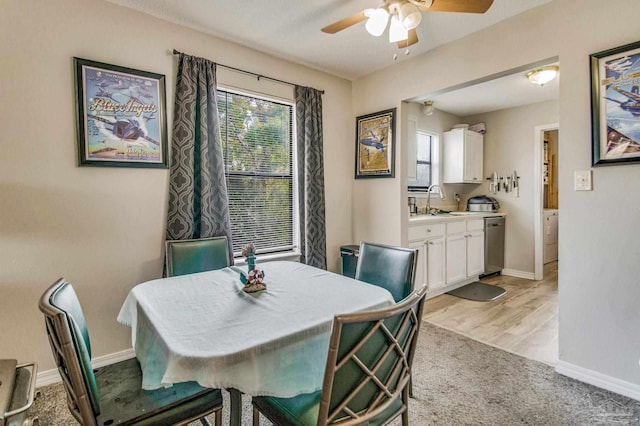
(428,108)
(542,76)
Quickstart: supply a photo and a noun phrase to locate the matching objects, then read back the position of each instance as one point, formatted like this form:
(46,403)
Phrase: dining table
(203,327)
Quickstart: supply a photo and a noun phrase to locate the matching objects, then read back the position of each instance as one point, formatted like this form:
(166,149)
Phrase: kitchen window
(258,145)
(427,165)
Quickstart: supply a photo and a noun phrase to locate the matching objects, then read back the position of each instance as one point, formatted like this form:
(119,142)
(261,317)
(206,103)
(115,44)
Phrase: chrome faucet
(429,196)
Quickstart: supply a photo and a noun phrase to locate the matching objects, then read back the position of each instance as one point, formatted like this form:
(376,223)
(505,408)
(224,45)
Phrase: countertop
(445,217)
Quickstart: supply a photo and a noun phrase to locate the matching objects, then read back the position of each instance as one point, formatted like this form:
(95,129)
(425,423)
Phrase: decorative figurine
(253,280)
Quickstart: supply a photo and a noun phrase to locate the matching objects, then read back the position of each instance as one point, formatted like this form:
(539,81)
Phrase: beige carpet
(459,381)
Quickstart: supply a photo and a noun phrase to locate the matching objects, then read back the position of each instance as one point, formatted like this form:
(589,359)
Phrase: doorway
(545,189)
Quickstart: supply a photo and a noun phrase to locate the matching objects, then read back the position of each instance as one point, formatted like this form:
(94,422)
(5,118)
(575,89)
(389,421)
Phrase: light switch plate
(582,180)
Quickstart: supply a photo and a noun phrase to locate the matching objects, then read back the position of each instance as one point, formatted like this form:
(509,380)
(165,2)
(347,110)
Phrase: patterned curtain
(313,236)
(198,203)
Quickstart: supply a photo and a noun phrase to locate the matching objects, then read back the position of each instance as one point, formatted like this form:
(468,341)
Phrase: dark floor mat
(478,291)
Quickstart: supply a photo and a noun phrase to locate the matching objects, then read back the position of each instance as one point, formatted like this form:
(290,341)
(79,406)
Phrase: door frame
(538,194)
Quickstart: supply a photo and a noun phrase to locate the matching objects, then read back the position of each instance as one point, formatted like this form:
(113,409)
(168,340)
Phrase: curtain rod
(258,76)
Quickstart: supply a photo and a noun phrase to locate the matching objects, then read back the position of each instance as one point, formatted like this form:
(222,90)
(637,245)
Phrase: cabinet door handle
(428,230)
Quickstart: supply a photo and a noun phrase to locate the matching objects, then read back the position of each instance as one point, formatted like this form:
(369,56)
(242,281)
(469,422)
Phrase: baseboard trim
(519,274)
(598,379)
(49,377)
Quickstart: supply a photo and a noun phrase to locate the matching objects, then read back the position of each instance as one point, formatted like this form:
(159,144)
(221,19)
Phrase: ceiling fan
(404,16)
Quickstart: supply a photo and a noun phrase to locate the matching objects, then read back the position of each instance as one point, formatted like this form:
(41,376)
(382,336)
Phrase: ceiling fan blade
(467,6)
(413,39)
(344,23)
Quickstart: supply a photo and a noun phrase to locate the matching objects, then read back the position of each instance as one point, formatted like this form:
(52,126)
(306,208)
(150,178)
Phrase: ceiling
(290,29)
(508,90)
(353,53)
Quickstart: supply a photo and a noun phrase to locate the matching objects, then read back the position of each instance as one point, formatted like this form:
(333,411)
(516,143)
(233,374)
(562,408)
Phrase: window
(258,146)
(426,162)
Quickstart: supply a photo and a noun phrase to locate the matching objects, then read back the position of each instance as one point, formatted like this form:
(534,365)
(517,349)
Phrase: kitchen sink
(438,212)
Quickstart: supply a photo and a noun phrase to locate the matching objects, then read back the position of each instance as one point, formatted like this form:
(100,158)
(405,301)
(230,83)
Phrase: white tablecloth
(203,327)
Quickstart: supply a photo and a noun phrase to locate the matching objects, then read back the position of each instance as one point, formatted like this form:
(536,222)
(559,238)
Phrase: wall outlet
(582,180)
(457,197)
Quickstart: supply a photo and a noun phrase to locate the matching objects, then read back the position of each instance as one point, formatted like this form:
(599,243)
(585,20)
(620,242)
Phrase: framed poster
(122,118)
(615,105)
(375,145)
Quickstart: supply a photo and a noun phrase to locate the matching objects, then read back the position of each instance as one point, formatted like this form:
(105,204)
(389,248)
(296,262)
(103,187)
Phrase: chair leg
(405,400)
(410,387)
(405,418)
(219,417)
(256,417)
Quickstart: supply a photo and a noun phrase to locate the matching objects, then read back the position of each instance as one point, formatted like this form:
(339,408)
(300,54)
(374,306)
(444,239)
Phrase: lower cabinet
(430,268)
(448,252)
(456,258)
(475,253)
(435,263)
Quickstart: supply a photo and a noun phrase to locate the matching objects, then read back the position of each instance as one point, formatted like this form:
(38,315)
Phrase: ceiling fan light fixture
(542,76)
(377,21)
(396,31)
(409,15)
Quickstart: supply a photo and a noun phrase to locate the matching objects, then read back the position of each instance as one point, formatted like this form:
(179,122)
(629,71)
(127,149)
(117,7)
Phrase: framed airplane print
(615,105)
(121,118)
(375,145)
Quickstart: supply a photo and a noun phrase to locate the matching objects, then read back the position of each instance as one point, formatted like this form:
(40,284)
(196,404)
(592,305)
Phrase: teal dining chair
(367,374)
(113,394)
(392,268)
(191,256)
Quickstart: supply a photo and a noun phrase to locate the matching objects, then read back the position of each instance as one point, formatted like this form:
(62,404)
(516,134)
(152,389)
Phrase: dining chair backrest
(191,256)
(392,268)
(369,363)
(113,394)
(69,339)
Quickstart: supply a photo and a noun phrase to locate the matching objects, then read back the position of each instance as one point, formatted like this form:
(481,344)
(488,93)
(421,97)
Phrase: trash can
(17,391)
(349,256)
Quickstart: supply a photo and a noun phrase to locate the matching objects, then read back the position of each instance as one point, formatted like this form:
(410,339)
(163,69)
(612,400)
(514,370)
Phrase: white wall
(103,228)
(508,147)
(599,315)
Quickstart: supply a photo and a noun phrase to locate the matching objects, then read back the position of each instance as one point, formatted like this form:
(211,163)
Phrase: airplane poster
(375,146)
(616,105)
(121,116)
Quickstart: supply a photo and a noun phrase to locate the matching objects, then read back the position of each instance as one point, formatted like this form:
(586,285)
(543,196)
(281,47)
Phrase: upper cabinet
(462,156)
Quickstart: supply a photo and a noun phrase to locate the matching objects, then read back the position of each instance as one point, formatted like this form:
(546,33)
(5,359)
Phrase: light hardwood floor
(524,321)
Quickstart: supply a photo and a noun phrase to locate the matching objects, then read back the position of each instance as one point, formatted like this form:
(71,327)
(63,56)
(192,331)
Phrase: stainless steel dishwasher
(493,245)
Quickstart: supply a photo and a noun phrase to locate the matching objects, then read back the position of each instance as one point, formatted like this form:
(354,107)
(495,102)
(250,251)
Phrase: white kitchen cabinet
(475,253)
(475,247)
(429,240)
(465,250)
(456,269)
(450,251)
(435,263)
(462,156)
